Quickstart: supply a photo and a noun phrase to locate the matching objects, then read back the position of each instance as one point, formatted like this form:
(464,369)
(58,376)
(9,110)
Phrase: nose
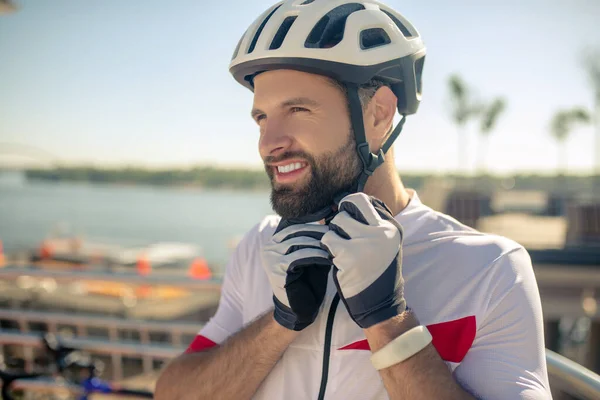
(273,139)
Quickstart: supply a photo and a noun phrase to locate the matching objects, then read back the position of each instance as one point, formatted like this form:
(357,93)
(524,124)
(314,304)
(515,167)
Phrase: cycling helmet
(352,42)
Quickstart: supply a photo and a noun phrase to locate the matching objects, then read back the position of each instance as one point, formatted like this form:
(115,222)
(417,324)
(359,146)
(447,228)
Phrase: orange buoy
(199,269)
(2,256)
(143,265)
(46,250)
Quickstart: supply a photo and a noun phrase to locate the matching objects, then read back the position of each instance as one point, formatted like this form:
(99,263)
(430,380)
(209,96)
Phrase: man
(357,290)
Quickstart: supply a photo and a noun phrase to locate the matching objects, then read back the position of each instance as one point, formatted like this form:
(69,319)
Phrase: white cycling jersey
(475,292)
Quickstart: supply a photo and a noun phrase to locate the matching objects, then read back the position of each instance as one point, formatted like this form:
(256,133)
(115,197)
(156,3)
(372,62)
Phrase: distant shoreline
(200,177)
(181,187)
(257,180)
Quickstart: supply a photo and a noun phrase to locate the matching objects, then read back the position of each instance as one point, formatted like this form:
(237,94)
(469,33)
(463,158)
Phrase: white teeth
(284,169)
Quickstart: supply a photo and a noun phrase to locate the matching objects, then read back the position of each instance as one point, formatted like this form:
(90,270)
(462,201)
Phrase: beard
(330,174)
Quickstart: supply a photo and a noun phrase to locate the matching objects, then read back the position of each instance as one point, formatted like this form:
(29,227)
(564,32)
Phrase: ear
(380,117)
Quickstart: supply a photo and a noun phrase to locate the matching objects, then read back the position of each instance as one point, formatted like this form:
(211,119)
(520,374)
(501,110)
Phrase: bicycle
(66,361)
(7,380)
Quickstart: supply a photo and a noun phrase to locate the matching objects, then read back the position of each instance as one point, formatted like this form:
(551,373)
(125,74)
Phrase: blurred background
(129,166)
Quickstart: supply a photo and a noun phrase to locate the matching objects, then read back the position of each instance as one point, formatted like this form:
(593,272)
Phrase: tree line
(197,177)
(245,179)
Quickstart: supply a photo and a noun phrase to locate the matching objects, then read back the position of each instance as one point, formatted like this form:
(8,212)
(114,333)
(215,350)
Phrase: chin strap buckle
(370,161)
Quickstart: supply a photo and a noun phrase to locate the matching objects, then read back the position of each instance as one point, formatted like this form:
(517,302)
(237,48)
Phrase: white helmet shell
(350,41)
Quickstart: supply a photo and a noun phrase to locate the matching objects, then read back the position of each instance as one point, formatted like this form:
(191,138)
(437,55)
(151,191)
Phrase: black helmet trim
(401,74)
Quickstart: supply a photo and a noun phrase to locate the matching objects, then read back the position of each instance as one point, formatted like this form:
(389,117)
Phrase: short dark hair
(366,91)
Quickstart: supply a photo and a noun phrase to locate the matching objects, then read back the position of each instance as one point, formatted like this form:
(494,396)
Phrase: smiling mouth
(289,172)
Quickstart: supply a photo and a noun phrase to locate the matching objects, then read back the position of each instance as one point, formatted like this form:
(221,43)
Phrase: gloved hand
(366,244)
(297,268)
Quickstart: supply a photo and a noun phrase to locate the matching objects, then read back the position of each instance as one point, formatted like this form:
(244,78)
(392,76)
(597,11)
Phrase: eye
(298,109)
(259,117)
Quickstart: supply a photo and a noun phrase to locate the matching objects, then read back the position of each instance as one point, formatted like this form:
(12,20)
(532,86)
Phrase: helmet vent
(399,24)
(374,37)
(260,29)
(307,2)
(282,33)
(329,31)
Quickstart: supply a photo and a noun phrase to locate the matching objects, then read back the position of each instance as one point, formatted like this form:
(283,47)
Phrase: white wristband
(402,348)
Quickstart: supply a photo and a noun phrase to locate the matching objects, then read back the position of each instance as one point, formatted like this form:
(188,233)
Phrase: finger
(304,257)
(347,227)
(361,208)
(278,263)
(307,230)
(324,213)
(296,248)
(297,242)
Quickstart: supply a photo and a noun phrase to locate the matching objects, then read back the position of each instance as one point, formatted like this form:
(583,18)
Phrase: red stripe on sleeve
(452,339)
(360,345)
(200,343)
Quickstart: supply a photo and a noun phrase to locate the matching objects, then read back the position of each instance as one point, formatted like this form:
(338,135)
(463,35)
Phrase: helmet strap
(369,160)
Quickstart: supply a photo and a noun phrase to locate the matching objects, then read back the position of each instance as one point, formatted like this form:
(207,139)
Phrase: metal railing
(565,375)
(148,353)
(571,378)
(174,330)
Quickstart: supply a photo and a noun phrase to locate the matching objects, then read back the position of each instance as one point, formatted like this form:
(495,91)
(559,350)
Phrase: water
(129,214)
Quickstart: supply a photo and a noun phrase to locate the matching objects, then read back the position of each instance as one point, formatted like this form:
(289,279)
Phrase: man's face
(306,141)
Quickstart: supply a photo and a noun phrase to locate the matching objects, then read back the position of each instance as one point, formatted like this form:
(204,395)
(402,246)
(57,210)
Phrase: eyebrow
(294,102)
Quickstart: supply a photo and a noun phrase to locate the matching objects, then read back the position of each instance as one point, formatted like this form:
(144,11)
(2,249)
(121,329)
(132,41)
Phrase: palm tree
(6,7)
(592,65)
(489,119)
(561,127)
(462,109)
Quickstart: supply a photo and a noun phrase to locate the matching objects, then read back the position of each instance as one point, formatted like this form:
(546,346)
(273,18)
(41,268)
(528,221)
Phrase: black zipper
(327,345)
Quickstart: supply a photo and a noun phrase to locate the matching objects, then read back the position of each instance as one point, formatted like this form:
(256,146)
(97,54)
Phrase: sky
(146,83)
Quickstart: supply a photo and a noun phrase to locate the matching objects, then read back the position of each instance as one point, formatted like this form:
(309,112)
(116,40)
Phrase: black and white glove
(297,267)
(365,242)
